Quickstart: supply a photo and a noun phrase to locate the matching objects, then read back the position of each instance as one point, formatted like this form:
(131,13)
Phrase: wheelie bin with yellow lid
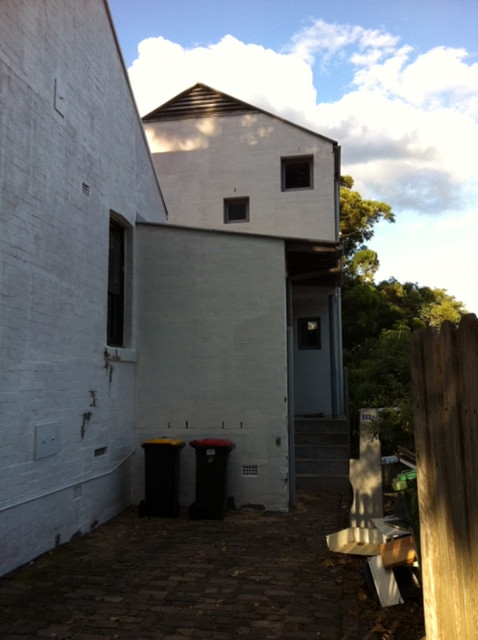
(161,477)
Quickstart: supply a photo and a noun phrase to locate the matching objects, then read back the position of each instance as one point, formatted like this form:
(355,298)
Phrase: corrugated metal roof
(198,102)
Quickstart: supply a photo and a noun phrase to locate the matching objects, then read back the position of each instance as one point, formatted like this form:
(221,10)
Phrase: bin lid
(408,475)
(164,441)
(212,443)
(400,483)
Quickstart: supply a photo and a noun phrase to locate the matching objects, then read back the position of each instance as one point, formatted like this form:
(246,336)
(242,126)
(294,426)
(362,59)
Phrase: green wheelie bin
(407,483)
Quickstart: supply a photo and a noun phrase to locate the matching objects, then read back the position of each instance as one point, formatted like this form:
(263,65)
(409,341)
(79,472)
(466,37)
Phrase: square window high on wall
(297,172)
(236,210)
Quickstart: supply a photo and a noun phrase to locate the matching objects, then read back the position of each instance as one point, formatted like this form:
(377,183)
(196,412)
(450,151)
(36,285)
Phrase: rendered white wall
(202,161)
(66,118)
(212,354)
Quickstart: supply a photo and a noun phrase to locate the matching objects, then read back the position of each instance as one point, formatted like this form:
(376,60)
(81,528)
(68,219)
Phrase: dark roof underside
(198,102)
(313,264)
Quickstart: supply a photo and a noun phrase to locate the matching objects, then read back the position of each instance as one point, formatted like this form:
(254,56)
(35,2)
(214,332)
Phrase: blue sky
(395,83)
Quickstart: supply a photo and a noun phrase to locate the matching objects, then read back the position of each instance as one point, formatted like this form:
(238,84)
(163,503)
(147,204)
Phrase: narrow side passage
(253,575)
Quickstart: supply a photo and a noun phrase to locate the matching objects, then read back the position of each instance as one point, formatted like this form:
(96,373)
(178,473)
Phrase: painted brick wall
(240,156)
(71,150)
(212,344)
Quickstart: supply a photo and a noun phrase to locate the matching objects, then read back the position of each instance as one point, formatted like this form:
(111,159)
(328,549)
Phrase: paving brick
(270,584)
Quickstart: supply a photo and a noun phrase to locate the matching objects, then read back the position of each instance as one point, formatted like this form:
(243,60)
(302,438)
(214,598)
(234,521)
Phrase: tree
(378,320)
(379,376)
(363,264)
(357,220)
(443,307)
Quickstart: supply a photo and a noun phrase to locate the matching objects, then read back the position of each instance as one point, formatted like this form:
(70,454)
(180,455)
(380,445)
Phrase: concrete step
(332,484)
(320,467)
(326,425)
(326,452)
(322,439)
(322,452)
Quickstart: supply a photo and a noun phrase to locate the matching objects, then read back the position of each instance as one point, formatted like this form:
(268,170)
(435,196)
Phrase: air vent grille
(250,470)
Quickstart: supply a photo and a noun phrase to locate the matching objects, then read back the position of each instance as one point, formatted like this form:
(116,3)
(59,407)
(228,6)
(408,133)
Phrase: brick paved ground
(251,576)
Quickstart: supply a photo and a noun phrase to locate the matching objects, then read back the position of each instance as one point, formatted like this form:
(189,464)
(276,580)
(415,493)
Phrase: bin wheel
(194,512)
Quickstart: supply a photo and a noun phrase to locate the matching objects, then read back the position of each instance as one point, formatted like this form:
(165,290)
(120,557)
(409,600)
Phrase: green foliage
(443,307)
(357,219)
(364,264)
(379,376)
(378,321)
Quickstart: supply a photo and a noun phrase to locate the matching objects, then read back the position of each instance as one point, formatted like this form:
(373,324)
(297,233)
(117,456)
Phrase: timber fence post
(445,396)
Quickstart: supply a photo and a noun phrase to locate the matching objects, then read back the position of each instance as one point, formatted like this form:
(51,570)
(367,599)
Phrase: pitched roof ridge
(199,100)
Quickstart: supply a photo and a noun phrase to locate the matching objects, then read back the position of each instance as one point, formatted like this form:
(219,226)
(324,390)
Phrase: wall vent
(85,189)
(77,491)
(100,451)
(250,470)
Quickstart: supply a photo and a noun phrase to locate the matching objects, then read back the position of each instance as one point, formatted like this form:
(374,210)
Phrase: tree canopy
(378,321)
(357,220)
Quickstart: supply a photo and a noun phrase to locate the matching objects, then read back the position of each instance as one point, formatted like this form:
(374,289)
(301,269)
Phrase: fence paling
(445,386)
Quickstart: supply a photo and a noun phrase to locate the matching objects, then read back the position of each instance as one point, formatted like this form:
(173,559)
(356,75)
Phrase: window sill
(120,354)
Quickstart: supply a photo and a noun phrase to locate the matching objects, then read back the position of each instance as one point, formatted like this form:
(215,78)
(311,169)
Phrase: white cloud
(436,79)
(328,40)
(271,80)
(407,122)
(432,251)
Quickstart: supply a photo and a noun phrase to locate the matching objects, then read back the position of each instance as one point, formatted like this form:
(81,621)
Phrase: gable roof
(200,101)
(197,102)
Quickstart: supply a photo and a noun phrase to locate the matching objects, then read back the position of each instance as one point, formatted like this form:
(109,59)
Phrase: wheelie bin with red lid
(211,478)
(161,477)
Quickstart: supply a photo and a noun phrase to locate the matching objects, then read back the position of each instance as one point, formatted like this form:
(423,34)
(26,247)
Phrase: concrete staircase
(322,453)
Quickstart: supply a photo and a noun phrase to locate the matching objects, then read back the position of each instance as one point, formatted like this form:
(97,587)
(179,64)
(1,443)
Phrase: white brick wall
(53,277)
(212,344)
(240,156)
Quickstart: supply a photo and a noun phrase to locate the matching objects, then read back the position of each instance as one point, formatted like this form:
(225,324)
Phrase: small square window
(297,173)
(309,333)
(236,210)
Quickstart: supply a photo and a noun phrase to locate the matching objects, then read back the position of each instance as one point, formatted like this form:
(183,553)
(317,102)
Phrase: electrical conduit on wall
(39,496)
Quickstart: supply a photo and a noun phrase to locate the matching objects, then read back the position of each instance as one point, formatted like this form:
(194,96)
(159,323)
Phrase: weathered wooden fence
(445,389)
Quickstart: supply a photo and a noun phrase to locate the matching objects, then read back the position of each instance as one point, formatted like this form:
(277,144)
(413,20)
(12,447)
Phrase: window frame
(116,284)
(121,337)
(236,200)
(290,161)
(303,341)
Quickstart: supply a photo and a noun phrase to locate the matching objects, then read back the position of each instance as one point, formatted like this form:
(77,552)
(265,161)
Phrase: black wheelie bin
(161,477)
(211,478)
